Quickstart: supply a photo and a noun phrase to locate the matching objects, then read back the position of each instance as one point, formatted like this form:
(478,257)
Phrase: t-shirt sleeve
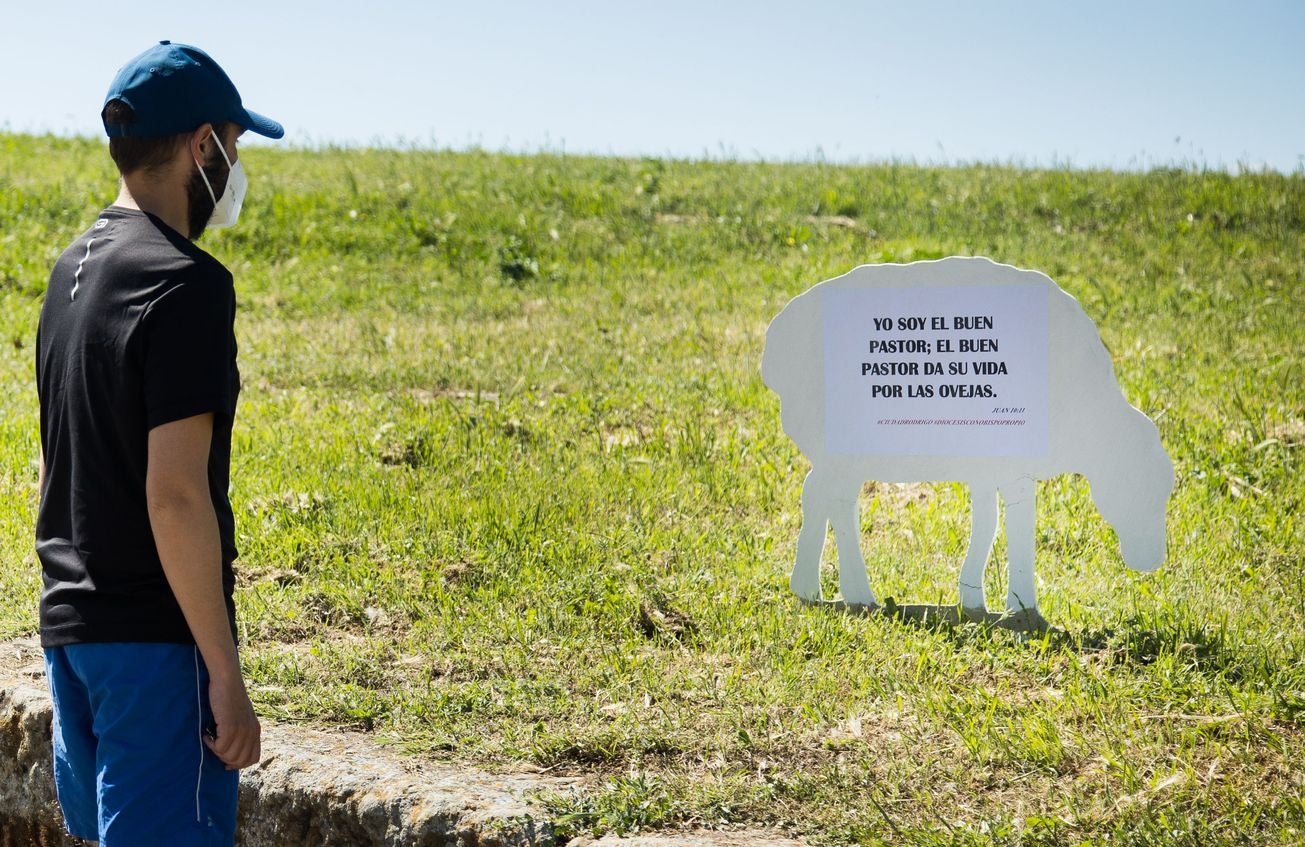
(188,350)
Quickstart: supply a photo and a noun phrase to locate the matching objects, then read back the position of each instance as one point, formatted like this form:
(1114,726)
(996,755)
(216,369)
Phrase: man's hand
(239,737)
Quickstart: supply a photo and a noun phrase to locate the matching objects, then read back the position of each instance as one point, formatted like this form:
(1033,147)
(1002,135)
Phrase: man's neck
(170,206)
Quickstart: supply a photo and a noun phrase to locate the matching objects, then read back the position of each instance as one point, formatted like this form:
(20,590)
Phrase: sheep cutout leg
(983,532)
(1020,498)
(824,502)
(805,579)
(963,370)
(845,516)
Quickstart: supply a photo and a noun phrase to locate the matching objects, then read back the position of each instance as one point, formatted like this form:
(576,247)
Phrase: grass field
(510,491)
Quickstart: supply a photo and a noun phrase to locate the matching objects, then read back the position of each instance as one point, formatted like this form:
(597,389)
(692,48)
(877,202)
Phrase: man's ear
(200,141)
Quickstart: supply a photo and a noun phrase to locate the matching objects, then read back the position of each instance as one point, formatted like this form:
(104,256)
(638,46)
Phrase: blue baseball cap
(174,88)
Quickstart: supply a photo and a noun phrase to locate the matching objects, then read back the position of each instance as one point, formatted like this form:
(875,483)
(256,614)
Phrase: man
(136,372)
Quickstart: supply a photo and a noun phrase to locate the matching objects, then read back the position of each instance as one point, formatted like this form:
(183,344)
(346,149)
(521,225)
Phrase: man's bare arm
(186,534)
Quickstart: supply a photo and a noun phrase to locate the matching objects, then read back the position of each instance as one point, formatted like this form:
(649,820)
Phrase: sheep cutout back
(958,370)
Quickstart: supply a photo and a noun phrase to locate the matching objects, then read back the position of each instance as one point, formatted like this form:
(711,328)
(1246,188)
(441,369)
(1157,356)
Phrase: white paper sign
(936,371)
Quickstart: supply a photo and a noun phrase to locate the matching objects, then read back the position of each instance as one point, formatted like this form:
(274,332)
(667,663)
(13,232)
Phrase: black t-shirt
(137,330)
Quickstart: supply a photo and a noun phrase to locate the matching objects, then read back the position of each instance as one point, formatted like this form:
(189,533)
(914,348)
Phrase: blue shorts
(130,765)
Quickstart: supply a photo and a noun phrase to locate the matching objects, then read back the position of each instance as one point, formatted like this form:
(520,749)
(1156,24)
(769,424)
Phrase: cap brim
(262,125)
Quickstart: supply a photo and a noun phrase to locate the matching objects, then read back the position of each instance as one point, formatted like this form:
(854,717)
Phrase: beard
(200,204)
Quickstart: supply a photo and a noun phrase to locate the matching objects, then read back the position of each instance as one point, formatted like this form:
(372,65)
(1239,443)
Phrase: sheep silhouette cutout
(1076,420)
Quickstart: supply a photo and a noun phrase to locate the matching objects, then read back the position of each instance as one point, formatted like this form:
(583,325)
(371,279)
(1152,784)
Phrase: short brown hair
(133,154)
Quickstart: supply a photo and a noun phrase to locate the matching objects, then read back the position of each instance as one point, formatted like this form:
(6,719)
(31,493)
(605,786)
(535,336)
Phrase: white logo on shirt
(77,277)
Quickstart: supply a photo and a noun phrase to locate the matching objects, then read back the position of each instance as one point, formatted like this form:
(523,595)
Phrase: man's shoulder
(202,269)
(147,235)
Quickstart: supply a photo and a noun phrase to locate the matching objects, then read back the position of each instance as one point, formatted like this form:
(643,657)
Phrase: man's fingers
(239,757)
(237,748)
(223,747)
(247,754)
(224,756)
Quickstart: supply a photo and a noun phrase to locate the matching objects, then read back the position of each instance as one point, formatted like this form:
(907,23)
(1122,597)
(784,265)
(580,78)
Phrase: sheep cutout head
(958,370)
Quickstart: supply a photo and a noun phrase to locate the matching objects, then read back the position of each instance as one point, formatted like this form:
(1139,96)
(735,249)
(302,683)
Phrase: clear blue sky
(1099,84)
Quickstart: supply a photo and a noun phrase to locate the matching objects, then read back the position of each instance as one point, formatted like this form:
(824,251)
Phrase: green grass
(510,491)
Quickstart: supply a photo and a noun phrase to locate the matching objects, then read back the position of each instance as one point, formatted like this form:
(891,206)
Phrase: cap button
(165,42)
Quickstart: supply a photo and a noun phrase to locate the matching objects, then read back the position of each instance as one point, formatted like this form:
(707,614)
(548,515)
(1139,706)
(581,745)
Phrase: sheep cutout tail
(817,361)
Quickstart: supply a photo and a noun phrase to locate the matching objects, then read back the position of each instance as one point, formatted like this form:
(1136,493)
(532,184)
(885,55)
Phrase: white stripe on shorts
(199,736)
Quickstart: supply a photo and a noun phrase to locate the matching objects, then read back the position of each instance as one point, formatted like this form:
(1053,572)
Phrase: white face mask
(226,209)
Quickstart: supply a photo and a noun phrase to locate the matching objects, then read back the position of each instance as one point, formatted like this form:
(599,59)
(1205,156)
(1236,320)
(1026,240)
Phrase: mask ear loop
(221,149)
